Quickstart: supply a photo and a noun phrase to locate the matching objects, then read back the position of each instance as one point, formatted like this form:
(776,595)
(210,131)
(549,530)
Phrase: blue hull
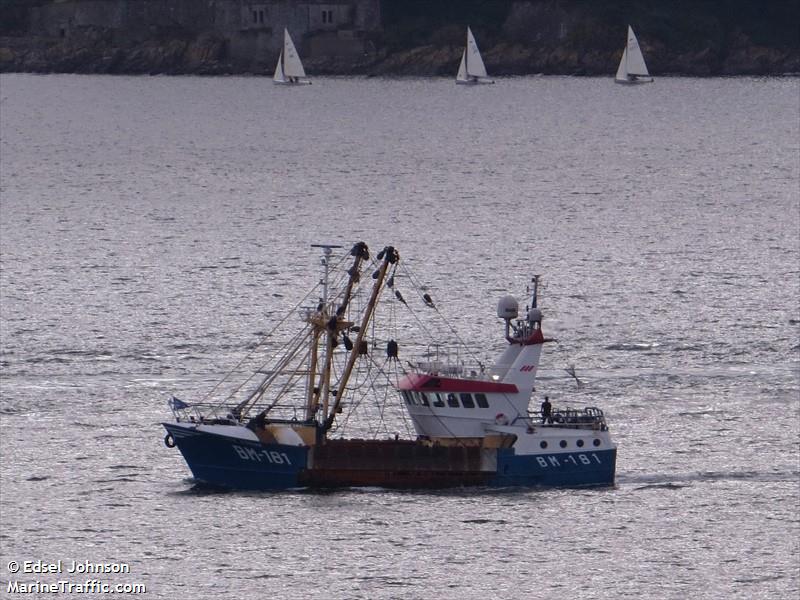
(239,464)
(562,470)
(223,461)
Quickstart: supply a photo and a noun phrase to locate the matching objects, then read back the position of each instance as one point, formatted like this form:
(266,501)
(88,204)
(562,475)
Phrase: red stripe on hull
(416,382)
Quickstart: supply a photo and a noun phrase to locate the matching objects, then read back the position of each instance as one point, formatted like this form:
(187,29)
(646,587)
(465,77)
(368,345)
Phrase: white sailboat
(631,67)
(472,70)
(289,70)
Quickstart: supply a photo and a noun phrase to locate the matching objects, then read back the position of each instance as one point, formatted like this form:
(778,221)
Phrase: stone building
(252,31)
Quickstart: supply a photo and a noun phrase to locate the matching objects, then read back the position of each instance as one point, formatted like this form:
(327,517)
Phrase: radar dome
(534,315)
(508,308)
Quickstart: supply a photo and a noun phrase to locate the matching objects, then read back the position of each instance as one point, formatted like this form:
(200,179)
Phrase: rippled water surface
(150,228)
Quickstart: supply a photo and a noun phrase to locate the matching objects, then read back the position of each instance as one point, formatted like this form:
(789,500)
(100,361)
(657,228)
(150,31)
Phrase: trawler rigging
(472,426)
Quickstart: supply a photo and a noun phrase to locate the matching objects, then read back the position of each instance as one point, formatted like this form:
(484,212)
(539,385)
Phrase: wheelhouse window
(438,402)
(407,397)
(452,401)
(466,400)
(481,400)
(423,399)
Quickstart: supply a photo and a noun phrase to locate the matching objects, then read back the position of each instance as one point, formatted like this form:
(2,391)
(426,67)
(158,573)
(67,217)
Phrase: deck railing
(589,417)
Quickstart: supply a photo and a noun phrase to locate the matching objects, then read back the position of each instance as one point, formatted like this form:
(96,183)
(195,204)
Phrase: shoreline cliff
(416,38)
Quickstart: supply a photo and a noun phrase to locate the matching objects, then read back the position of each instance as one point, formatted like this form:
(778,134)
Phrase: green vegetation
(518,37)
(410,23)
(689,24)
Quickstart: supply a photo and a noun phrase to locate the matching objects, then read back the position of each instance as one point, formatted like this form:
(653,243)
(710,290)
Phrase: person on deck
(547,410)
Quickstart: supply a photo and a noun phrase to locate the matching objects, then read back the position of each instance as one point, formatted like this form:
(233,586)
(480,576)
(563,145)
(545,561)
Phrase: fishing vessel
(296,418)
(632,68)
(289,70)
(472,70)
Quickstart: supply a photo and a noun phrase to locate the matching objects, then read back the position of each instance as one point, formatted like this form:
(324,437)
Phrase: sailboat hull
(236,463)
(473,81)
(634,81)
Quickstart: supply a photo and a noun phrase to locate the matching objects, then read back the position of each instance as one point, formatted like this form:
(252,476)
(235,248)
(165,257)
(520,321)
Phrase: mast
(279,75)
(332,325)
(627,45)
(311,404)
(390,256)
(466,56)
(535,281)
(625,58)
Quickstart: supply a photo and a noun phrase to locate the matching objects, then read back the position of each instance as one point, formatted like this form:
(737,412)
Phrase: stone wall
(251,31)
(397,37)
(127,20)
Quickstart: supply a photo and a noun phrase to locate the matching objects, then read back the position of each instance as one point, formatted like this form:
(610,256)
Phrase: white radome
(508,308)
(534,315)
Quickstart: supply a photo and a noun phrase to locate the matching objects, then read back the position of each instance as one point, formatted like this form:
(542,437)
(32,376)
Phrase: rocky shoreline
(205,55)
(407,38)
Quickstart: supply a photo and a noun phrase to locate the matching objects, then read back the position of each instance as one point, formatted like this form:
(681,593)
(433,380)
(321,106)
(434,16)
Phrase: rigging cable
(429,302)
(261,342)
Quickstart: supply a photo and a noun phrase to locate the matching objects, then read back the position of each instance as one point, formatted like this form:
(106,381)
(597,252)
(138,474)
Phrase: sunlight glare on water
(152,227)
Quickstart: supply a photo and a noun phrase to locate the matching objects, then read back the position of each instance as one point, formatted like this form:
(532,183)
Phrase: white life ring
(500,419)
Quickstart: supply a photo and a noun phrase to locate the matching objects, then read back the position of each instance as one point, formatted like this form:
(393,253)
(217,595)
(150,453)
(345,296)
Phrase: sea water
(151,228)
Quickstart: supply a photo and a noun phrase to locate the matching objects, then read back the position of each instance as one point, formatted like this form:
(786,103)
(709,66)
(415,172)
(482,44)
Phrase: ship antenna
(327,250)
(535,281)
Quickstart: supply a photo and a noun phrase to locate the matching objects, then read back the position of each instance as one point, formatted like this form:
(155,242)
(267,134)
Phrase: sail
(462,68)
(622,70)
(635,60)
(279,76)
(292,66)
(474,62)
